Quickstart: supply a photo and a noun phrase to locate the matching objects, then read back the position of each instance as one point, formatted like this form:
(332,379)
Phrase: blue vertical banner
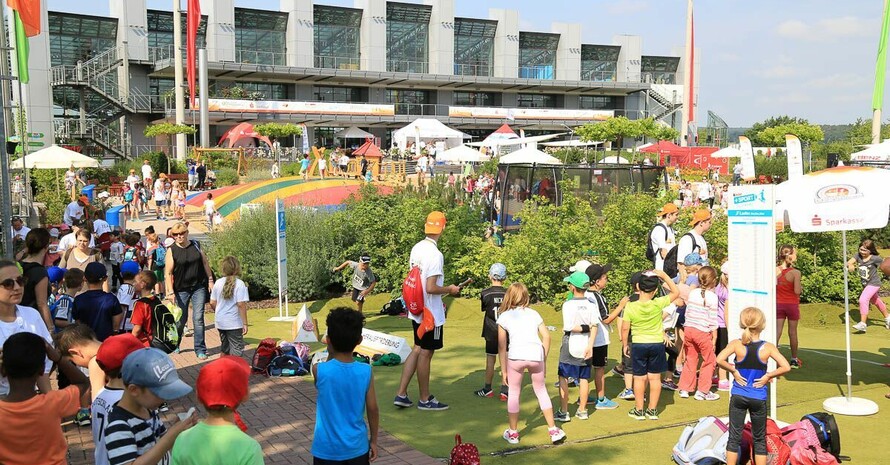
(281,231)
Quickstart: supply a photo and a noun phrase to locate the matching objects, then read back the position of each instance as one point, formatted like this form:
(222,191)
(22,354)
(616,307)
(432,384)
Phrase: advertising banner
(748,172)
(794,153)
(375,342)
(285,107)
(529,113)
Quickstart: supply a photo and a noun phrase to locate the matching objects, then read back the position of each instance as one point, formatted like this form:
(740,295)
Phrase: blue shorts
(648,358)
(566,370)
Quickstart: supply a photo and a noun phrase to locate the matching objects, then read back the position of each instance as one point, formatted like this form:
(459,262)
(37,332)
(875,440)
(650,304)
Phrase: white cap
(54,232)
(169,242)
(580,265)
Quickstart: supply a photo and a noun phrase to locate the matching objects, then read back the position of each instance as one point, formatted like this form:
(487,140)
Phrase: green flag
(21,48)
(881,67)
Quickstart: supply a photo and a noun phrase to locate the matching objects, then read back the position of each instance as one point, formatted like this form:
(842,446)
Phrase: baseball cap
(648,281)
(55,274)
(578,279)
(95,272)
(62,227)
(695,259)
(129,267)
(596,271)
(223,382)
(580,265)
(699,216)
(498,271)
(168,242)
(84,199)
(667,209)
(115,349)
(365,258)
(154,370)
(16,218)
(435,223)
(635,279)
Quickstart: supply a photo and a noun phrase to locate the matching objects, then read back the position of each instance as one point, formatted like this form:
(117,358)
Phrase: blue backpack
(160,256)
(287,365)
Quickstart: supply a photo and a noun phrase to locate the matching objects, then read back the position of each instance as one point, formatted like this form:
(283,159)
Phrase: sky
(759,58)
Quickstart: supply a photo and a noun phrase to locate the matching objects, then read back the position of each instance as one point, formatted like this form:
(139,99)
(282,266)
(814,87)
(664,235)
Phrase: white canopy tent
(571,143)
(424,130)
(727,152)
(55,157)
(875,152)
(461,154)
(529,154)
(518,141)
(353,132)
(614,159)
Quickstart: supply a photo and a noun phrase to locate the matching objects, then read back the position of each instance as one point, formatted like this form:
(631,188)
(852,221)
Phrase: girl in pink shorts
(788,298)
(866,264)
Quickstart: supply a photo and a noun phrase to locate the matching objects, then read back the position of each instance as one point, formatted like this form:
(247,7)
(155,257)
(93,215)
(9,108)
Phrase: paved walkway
(280,414)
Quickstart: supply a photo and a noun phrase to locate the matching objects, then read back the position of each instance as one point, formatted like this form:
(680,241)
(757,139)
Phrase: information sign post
(281,231)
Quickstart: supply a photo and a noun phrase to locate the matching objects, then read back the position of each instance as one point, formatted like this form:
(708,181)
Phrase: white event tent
(529,154)
(461,154)
(876,152)
(427,129)
(353,132)
(55,157)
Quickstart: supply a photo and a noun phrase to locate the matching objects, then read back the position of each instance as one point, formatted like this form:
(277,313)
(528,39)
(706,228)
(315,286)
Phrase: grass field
(609,436)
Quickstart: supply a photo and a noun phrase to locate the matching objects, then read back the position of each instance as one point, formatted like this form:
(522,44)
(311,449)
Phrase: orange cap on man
(699,216)
(435,223)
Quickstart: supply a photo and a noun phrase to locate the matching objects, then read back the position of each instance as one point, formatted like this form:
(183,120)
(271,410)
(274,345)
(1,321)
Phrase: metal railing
(421,109)
(402,66)
(660,77)
(599,76)
(334,62)
(537,72)
(108,137)
(159,53)
(461,69)
(260,57)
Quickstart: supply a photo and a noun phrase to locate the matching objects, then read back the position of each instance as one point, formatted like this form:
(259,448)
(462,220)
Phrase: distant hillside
(832,132)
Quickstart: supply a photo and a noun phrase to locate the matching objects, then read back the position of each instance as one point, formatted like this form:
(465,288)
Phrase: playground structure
(242,160)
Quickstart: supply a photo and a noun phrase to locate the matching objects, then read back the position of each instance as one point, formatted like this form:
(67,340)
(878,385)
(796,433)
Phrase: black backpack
(394,307)
(165,333)
(826,429)
(670,260)
(287,365)
(650,252)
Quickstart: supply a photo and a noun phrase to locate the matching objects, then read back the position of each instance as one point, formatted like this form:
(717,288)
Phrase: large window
(474,46)
(474,99)
(160,33)
(337,94)
(407,37)
(536,101)
(598,102)
(537,55)
(248,90)
(260,36)
(599,62)
(337,37)
(74,38)
(659,70)
(410,101)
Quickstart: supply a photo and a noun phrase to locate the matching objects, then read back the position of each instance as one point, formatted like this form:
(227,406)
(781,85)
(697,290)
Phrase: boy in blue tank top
(749,387)
(345,393)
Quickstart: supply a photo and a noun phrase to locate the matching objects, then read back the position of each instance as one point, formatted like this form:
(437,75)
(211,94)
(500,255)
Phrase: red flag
(193,21)
(29,14)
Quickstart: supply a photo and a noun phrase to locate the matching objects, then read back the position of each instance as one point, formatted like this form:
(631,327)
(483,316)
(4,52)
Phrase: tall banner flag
(795,156)
(877,100)
(193,21)
(748,172)
(26,17)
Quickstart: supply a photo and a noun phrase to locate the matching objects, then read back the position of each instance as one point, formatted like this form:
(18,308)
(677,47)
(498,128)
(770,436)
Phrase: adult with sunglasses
(15,318)
(188,276)
(36,291)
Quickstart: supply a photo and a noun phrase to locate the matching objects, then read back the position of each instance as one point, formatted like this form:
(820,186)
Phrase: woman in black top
(36,291)
(189,278)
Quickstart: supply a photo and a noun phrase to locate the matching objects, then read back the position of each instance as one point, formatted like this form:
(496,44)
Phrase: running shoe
(83,417)
(627,394)
(557,435)
(887,322)
(402,401)
(651,413)
(684,394)
(861,326)
(581,414)
(202,356)
(164,407)
(709,396)
(485,393)
(511,436)
(723,385)
(606,404)
(616,371)
(188,332)
(795,363)
(562,417)
(432,404)
(504,392)
(636,414)
(678,372)
(670,385)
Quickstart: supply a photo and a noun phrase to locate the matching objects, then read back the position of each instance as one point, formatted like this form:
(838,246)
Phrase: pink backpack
(811,455)
(801,434)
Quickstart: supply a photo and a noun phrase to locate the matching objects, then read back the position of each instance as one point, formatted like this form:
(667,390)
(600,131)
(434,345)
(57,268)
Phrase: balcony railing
(660,77)
(473,70)
(421,109)
(163,52)
(599,76)
(537,72)
(399,66)
(332,62)
(260,57)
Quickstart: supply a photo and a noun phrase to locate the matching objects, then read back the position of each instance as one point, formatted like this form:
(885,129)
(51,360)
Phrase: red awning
(241,131)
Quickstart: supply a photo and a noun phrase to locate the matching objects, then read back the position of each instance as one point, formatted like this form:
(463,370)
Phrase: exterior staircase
(668,97)
(106,136)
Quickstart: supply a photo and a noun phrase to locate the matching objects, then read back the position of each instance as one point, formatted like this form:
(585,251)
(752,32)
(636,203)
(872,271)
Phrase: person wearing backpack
(750,383)
(228,299)
(153,322)
(694,240)
(131,251)
(662,237)
(156,259)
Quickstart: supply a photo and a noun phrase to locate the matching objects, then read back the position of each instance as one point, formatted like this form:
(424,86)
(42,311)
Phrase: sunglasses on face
(178,234)
(9,284)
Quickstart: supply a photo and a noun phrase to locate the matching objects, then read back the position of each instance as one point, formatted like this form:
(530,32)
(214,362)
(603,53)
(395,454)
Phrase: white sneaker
(861,326)
(511,436)
(684,394)
(709,396)
(581,414)
(556,435)
(887,322)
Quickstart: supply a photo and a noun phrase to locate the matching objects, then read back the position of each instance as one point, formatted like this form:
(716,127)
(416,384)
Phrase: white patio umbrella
(461,154)
(353,132)
(838,199)
(55,157)
(728,152)
(529,155)
(874,152)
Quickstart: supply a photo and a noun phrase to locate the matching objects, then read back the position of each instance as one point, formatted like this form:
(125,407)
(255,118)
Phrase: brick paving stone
(285,434)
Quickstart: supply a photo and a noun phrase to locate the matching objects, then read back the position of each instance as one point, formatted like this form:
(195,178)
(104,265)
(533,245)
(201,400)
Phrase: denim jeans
(198,297)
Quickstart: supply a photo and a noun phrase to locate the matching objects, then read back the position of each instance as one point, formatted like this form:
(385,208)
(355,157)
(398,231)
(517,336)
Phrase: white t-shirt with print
(425,254)
(660,240)
(160,192)
(27,320)
(126,295)
(522,325)
(602,329)
(227,315)
(99,411)
(72,212)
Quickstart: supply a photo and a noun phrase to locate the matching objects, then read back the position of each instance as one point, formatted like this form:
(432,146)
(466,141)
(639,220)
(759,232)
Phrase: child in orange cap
(222,386)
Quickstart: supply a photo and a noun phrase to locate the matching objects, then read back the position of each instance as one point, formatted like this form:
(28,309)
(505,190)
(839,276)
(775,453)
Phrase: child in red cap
(222,386)
(110,357)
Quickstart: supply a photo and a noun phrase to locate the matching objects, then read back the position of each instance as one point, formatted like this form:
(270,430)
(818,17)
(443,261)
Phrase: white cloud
(785,98)
(626,7)
(836,81)
(828,29)
(779,71)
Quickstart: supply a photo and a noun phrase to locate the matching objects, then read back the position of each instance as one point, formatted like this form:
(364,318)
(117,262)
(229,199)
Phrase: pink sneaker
(557,435)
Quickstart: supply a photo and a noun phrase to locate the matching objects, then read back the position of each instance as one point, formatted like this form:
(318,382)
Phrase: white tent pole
(847,318)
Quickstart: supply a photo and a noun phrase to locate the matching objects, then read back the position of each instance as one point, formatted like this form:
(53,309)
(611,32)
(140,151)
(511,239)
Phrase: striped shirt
(701,312)
(128,437)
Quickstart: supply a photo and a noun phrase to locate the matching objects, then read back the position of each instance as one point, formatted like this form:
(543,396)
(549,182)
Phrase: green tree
(169,130)
(278,130)
(620,127)
(770,122)
(774,136)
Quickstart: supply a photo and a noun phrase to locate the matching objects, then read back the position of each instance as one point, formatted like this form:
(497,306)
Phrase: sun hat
(695,259)
(667,209)
(699,216)
(168,242)
(152,369)
(580,265)
(596,271)
(114,350)
(223,382)
(578,279)
(435,223)
(498,271)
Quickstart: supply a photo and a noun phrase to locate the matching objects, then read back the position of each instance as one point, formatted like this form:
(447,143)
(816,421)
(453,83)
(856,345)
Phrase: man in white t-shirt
(425,255)
(663,237)
(160,196)
(74,211)
(19,230)
(133,180)
(694,240)
(147,172)
(100,226)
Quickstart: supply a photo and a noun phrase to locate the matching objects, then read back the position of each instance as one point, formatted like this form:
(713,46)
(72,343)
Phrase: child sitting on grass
(31,422)
(341,436)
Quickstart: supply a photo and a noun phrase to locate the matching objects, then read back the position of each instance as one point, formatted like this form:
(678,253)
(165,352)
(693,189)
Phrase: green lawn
(609,436)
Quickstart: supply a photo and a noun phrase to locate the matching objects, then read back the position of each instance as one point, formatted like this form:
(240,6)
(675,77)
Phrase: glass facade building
(337,37)
(260,36)
(76,38)
(599,62)
(160,33)
(407,37)
(536,101)
(474,99)
(474,46)
(659,70)
(337,94)
(537,55)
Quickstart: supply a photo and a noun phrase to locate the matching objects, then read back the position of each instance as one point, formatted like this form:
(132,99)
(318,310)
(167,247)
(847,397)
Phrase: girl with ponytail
(788,298)
(229,299)
(750,381)
(700,336)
